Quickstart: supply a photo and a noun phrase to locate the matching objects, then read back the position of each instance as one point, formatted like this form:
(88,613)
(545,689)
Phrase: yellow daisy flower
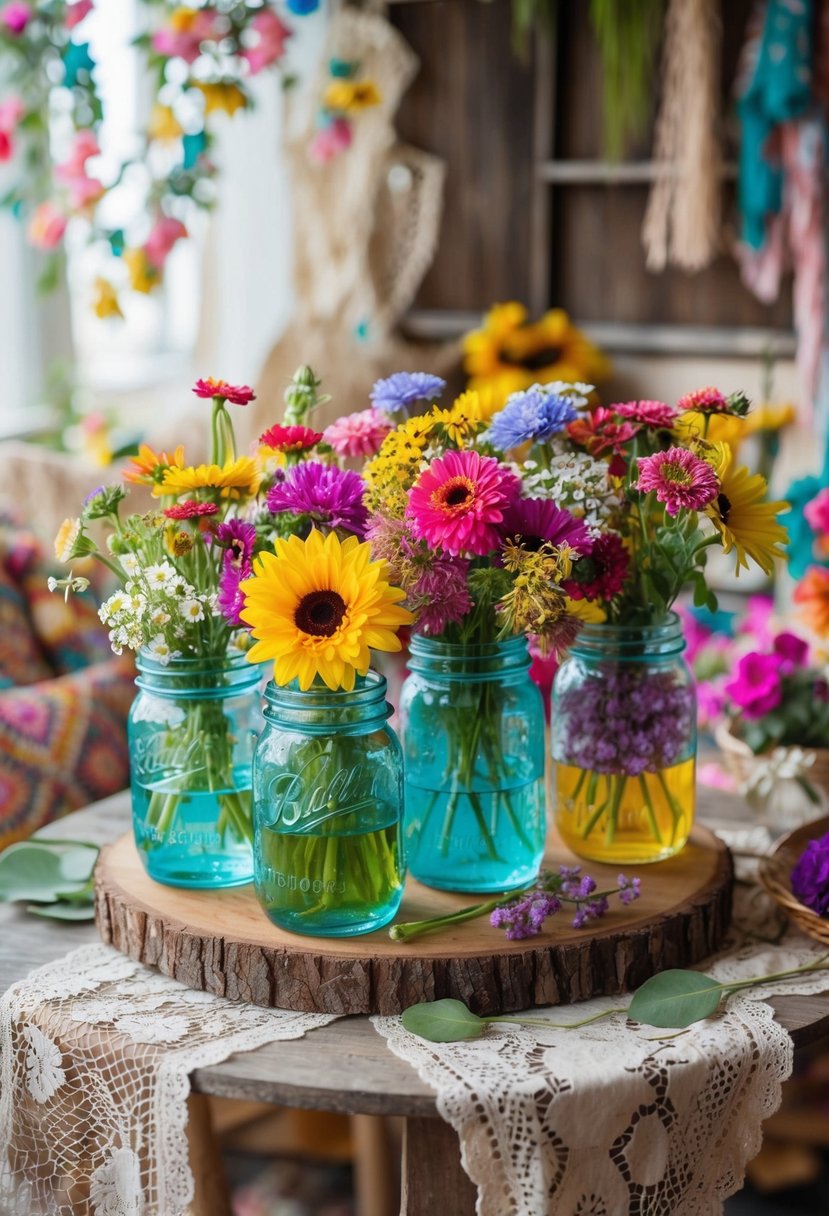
(349,96)
(746,523)
(316,606)
(236,479)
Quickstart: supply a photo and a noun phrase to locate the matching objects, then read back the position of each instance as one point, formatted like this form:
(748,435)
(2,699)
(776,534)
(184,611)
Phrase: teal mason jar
(192,730)
(328,799)
(473,739)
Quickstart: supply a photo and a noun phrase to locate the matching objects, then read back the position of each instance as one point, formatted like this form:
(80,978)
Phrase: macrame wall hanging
(682,220)
(365,231)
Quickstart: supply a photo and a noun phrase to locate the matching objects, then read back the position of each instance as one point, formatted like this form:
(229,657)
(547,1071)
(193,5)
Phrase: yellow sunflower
(316,606)
(746,523)
(235,479)
(509,353)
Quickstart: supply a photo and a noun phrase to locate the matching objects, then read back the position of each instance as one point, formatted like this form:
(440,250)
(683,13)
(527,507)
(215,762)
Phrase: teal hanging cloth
(778,91)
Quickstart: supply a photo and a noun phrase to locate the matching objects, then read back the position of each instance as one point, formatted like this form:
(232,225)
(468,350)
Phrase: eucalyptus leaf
(34,871)
(675,999)
(445,1021)
(63,911)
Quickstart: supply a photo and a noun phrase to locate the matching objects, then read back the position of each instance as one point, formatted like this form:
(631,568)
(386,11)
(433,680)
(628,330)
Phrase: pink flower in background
(459,501)
(270,45)
(704,400)
(756,689)
(84,146)
(182,39)
(238,394)
(656,414)
(679,479)
(792,651)
(441,595)
(697,635)
(710,703)
(16,16)
(11,112)
(83,191)
(359,434)
(330,141)
(717,778)
(76,12)
(161,240)
(817,516)
(46,227)
(6,146)
(758,621)
(543,670)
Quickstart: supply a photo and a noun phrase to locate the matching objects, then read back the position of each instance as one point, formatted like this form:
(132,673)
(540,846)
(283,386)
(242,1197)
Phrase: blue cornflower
(535,414)
(404,389)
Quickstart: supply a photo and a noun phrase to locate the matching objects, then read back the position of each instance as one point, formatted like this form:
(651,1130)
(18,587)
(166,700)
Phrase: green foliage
(628,33)
(675,998)
(444,1021)
(54,878)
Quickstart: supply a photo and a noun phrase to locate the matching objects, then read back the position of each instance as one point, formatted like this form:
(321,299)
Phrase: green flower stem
(596,1017)
(600,809)
(649,809)
(677,813)
(618,783)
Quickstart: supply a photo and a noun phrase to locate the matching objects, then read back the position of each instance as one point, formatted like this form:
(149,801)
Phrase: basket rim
(773,874)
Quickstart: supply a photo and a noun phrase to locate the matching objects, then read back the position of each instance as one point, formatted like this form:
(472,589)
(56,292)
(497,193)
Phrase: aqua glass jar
(624,743)
(473,740)
(328,800)
(192,730)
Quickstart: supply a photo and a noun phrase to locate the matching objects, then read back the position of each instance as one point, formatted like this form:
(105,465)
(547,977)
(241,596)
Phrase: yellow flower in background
(721,428)
(105,303)
(718,455)
(235,479)
(587,611)
(509,353)
(350,96)
(392,472)
(223,95)
(143,275)
(163,125)
(769,416)
(746,523)
(316,606)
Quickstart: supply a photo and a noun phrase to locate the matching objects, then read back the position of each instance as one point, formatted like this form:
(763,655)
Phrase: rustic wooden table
(342,1067)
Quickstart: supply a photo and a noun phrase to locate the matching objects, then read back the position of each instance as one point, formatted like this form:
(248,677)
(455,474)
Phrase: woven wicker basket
(739,759)
(774,874)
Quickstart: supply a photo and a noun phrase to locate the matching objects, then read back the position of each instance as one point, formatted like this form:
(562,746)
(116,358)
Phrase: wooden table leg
(210,1195)
(376,1187)
(434,1182)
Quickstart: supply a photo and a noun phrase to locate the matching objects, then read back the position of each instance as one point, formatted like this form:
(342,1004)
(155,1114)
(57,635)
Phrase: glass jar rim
(665,637)
(421,643)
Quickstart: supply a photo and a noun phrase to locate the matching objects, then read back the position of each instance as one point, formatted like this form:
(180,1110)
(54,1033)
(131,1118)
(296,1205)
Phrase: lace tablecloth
(95,1056)
(618,1118)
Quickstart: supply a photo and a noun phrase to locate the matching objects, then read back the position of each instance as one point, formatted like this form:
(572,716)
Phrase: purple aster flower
(237,537)
(810,876)
(326,494)
(629,889)
(536,521)
(440,597)
(404,389)
(535,414)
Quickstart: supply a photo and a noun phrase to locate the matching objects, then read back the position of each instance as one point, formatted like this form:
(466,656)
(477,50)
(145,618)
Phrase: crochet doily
(617,1117)
(95,1056)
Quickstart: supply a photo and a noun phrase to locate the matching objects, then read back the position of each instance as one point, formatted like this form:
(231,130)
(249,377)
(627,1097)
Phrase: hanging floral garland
(201,59)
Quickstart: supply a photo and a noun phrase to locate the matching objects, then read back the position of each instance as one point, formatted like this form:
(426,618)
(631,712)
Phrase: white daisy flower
(192,610)
(130,564)
(159,618)
(162,575)
(114,606)
(160,650)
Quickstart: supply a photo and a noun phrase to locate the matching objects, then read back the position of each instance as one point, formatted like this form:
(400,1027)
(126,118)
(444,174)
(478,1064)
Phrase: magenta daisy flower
(458,503)
(655,414)
(537,521)
(680,479)
(602,573)
(238,394)
(323,493)
(237,537)
(190,509)
(290,438)
(359,434)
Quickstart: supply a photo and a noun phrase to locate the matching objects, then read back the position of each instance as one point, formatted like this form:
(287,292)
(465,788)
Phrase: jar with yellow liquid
(624,743)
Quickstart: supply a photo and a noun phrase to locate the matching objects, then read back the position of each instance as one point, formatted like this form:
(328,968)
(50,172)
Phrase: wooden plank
(434,1180)
(611,173)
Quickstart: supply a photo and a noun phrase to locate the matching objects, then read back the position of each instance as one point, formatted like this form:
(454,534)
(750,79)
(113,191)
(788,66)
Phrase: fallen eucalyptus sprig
(522,913)
(52,877)
(673,999)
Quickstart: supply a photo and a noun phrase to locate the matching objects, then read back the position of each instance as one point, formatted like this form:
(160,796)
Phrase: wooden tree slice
(222,942)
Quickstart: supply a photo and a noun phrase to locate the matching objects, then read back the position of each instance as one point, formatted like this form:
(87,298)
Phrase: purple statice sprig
(522,914)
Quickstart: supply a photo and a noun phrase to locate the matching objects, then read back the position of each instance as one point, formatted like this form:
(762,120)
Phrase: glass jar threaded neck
(630,643)
(197,677)
(478,661)
(319,709)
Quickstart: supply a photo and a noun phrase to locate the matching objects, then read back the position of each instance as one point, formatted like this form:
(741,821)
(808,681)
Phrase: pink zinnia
(290,438)
(359,434)
(817,513)
(679,479)
(190,509)
(656,414)
(601,574)
(272,34)
(459,501)
(239,394)
(705,401)
(16,16)
(166,231)
(76,12)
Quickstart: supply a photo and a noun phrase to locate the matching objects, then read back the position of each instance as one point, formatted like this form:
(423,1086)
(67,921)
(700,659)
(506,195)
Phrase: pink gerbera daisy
(711,401)
(679,479)
(656,414)
(238,394)
(290,438)
(458,502)
(190,509)
(359,434)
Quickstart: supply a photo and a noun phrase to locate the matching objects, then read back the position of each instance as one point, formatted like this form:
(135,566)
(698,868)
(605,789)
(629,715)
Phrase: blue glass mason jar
(192,730)
(624,739)
(328,801)
(473,740)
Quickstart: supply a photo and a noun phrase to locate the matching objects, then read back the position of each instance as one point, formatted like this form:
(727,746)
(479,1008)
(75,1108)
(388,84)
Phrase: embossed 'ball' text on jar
(624,743)
(328,804)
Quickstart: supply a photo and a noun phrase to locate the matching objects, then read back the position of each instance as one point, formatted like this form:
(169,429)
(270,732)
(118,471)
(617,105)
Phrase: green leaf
(675,999)
(36,871)
(63,911)
(444,1021)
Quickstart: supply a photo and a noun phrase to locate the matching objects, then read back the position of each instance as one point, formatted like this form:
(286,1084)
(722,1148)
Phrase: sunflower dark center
(320,613)
(723,507)
(533,361)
